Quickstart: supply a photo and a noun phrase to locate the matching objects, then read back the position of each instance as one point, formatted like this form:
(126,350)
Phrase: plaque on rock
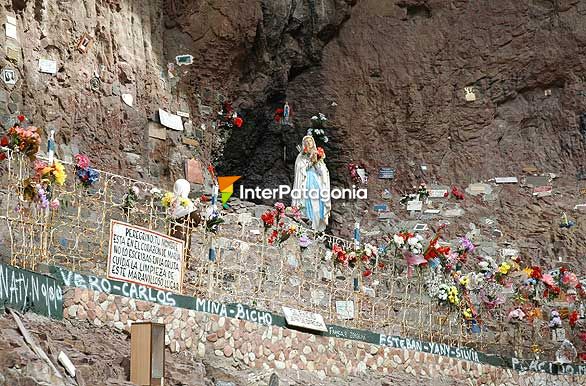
(386,173)
(84,43)
(171,121)
(12,51)
(381,207)
(414,205)
(193,171)
(190,141)
(304,319)
(48,66)
(157,131)
(535,181)
(345,309)
(506,180)
(543,191)
(9,76)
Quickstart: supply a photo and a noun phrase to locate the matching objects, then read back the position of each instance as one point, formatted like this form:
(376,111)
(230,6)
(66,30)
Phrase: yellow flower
(467,313)
(166,200)
(59,173)
(464,280)
(184,202)
(504,268)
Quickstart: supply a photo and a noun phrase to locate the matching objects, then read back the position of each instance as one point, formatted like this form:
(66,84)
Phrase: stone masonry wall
(271,347)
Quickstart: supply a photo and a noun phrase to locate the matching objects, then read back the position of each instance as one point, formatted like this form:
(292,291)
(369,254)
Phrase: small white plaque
(509,252)
(48,66)
(506,180)
(438,193)
(183,114)
(369,291)
(431,211)
(10,19)
(171,121)
(304,319)
(345,309)
(420,227)
(11,31)
(414,205)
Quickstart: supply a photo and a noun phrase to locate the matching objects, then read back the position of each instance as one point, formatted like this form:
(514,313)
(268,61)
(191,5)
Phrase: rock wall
(82,101)
(271,347)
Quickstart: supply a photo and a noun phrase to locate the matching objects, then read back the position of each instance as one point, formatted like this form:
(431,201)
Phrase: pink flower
(82,161)
(548,279)
(570,279)
(280,206)
(54,204)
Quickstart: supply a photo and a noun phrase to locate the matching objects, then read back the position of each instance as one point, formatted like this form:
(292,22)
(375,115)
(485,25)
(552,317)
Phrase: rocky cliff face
(391,76)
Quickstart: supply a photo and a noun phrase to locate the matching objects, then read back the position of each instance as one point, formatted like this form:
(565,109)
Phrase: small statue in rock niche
(286,113)
(311,189)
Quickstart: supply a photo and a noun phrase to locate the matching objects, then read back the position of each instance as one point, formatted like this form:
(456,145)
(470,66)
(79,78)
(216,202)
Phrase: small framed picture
(9,76)
(84,43)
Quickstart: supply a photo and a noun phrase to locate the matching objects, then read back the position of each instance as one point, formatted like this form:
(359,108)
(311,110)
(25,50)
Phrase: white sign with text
(304,319)
(142,256)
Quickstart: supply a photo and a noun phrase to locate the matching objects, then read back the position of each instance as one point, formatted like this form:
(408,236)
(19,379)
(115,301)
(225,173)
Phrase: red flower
(365,258)
(21,118)
(381,265)
(204,198)
(367,273)
(2,156)
(279,111)
(4,141)
(238,122)
(536,273)
(573,318)
(268,218)
(320,152)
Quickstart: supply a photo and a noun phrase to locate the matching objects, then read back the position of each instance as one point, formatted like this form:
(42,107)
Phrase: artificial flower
(167,199)
(504,268)
(573,318)
(321,154)
(82,161)
(304,241)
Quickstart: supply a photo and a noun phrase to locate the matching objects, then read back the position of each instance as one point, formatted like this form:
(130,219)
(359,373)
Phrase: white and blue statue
(311,189)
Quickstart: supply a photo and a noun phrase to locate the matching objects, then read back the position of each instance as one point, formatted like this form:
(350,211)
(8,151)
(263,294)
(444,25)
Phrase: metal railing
(246,270)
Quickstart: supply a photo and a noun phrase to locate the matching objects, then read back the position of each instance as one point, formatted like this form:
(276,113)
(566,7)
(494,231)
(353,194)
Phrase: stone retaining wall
(272,347)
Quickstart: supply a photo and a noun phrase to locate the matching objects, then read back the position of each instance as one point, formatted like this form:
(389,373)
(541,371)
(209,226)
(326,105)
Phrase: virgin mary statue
(311,189)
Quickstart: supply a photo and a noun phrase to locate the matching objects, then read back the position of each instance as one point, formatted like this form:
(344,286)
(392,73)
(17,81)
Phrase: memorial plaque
(438,193)
(414,205)
(537,181)
(345,309)
(543,191)
(183,60)
(157,131)
(386,173)
(171,121)
(11,31)
(48,66)
(381,207)
(506,180)
(304,319)
(194,171)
